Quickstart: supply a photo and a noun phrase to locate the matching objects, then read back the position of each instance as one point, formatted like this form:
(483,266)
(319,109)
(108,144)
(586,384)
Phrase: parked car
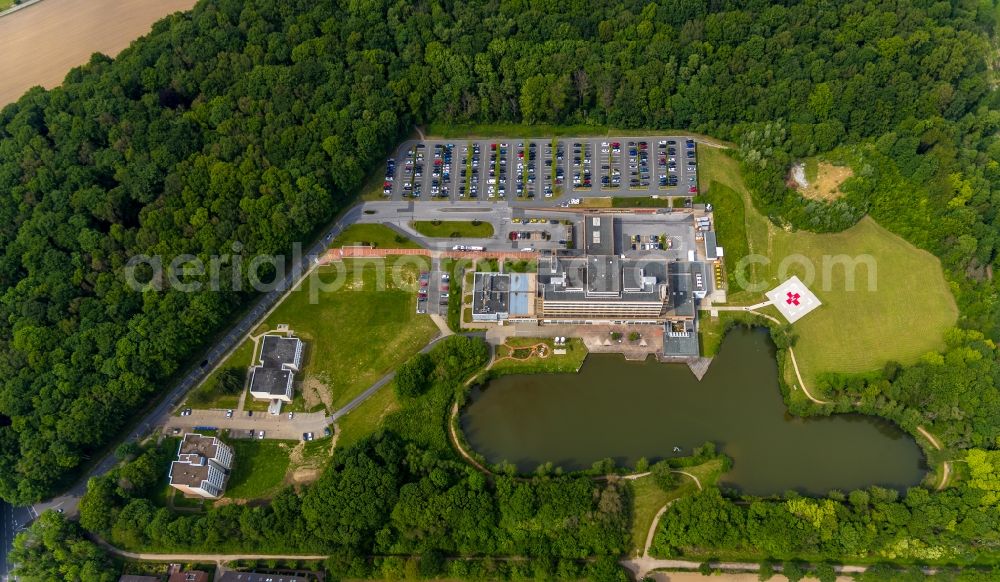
(229,413)
(261,435)
(307,436)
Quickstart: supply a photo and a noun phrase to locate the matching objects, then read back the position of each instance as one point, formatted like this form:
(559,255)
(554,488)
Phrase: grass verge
(358,329)
(208,394)
(374,234)
(640,202)
(259,468)
(453,228)
(730,225)
(367,418)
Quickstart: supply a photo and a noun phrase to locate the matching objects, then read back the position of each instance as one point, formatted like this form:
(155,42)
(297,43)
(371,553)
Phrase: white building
(202,466)
(272,377)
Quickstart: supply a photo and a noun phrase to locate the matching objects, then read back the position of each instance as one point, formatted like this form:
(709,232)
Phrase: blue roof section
(520,294)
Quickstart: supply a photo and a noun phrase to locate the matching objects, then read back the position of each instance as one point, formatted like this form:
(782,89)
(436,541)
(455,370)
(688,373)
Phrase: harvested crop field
(41,43)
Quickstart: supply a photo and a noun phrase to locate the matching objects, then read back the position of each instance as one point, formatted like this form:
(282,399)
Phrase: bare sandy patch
(304,475)
(315,391)
(302,470)
(41,43)
(826,186)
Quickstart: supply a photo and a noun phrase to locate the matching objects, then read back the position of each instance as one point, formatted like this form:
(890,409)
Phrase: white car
(261,435)
(291,415)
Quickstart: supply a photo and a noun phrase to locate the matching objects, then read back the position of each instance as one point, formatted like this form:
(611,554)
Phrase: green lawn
(901,317)
(522,266)
(640,202)
(453,228)
(571,361)
(359,330)
(206,395)
(381,236)
(259,468)
(647,498)
(5,4)
(367,418)
(730,225)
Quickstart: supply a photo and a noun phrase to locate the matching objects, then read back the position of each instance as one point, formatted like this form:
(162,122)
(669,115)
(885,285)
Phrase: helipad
(793,299)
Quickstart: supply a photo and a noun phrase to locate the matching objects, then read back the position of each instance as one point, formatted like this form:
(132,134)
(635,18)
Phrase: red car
(693,189)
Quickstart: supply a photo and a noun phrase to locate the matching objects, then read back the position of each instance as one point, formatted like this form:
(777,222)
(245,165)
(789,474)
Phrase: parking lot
(435,289)
(536,171)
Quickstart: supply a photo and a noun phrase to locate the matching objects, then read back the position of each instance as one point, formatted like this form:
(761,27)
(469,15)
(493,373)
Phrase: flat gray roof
(710,244)
(491,294)
(599,235)
(272,381)
(682,342)
(601,278)
(679,284)
(277,351)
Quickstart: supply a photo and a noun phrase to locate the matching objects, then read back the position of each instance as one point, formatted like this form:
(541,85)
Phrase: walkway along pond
(627,410)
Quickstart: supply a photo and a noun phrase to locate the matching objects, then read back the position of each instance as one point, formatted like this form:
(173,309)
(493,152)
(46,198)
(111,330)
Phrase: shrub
(413,378)
(663,476)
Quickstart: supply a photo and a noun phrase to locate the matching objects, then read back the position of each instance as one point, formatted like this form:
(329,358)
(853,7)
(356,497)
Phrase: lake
(627,410)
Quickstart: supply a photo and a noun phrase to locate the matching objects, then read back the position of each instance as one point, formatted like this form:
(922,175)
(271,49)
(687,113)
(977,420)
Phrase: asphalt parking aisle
(561,163)
(404,172)
(434,288)
(531,188)
(504,169)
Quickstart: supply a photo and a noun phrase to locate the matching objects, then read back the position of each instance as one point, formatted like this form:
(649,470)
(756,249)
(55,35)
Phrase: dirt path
(40,44)
(805,390)
(458,446)
(217,558)
(659,514)
(945,465)
(539,350)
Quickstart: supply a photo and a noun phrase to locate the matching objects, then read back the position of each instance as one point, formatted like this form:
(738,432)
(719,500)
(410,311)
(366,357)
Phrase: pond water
(627,410)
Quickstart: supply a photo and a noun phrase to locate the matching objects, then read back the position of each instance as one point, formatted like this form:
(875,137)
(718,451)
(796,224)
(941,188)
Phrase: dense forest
(247,125)
(400,492)
(251,124)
